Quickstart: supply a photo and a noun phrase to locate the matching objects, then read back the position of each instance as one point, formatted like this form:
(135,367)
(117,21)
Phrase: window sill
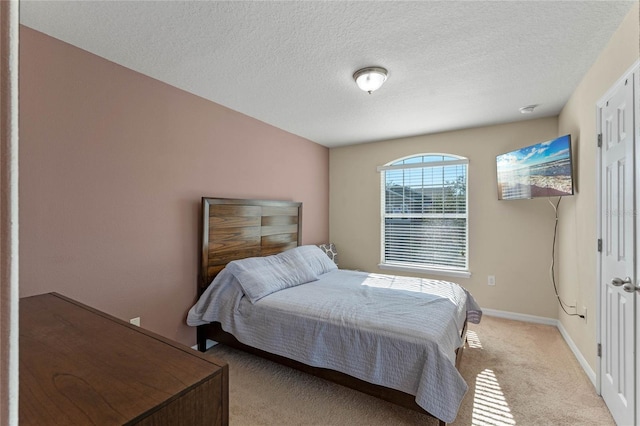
(425,270)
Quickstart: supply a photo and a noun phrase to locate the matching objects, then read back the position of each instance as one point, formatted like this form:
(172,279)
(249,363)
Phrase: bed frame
(234,229)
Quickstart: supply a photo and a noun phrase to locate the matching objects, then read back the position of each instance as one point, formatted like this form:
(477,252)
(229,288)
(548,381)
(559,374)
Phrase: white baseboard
(548,321)
(519,317)
(576,352)
(210,344)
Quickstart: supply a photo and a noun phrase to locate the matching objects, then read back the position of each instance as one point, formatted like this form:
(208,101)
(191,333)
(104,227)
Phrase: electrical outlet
(135,321)
(491,280)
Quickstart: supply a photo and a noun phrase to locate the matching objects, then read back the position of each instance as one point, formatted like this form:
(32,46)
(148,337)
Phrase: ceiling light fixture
(527,109)
(370,79)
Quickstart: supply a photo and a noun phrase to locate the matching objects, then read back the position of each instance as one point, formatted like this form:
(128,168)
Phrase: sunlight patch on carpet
(473,340)
(490,408)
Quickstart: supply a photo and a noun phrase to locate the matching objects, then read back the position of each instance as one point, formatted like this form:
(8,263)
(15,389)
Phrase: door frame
(636,118)
(632,72)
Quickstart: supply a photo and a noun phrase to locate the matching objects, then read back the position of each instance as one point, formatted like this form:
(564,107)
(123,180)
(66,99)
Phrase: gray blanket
(398,332)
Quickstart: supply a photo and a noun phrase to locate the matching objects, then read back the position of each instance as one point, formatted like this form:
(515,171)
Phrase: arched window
(424,214)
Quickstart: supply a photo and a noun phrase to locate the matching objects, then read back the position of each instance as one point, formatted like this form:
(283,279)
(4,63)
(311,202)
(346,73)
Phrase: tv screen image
(541,170)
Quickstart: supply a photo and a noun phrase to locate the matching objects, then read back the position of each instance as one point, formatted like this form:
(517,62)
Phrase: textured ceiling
(452,64)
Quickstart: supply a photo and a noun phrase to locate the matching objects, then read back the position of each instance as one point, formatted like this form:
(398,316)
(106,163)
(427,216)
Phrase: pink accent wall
(112,167)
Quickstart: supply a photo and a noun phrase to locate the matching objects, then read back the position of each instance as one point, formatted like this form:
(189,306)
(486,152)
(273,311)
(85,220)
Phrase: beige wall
(112,168)
(509,239)
(577,244)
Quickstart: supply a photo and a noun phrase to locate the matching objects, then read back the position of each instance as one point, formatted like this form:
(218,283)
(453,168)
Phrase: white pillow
(261,276)
(317,259)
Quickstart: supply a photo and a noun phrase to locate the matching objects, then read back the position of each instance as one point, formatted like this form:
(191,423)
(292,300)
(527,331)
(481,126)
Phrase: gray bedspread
(399,332)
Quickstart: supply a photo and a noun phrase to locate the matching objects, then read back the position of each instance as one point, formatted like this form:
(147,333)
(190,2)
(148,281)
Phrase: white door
(618,275)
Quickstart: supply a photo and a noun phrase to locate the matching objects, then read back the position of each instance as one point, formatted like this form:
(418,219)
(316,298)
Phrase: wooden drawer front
(201,406)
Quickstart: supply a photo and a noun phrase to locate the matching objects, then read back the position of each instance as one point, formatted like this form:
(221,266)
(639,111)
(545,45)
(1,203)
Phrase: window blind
(425,212)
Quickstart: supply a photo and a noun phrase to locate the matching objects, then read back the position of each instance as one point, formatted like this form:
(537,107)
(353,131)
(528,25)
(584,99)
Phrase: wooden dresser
(80,366)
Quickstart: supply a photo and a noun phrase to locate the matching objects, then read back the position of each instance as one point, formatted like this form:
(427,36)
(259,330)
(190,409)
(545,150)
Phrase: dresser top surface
(76,361)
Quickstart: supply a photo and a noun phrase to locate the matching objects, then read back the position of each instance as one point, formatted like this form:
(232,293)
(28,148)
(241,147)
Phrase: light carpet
(518,374)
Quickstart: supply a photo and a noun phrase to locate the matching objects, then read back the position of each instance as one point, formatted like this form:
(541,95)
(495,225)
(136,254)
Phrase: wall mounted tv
(541,170)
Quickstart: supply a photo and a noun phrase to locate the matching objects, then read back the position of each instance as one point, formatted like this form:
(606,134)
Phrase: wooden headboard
(236,229)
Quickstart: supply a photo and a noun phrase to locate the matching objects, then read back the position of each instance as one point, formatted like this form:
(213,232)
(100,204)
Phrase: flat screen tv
(541,170)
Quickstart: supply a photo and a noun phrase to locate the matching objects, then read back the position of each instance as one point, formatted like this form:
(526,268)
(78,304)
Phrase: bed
(261,290)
